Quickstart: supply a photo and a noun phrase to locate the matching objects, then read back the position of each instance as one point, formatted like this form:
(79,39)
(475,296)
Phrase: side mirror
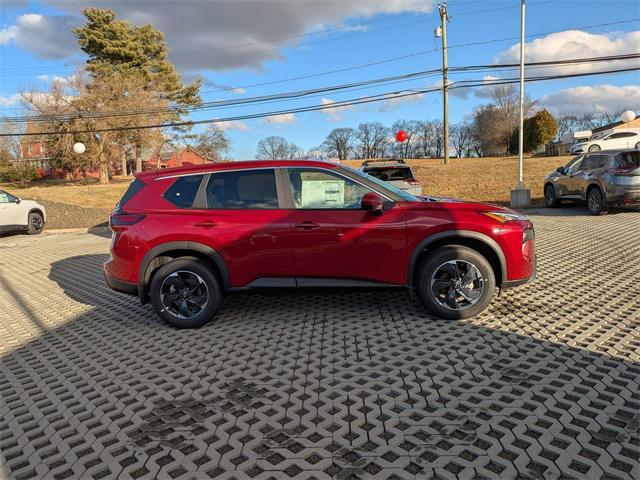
(561,170)
(18,199)
(373,203)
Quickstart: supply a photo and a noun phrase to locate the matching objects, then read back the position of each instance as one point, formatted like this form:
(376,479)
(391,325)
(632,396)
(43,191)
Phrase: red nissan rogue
(185,237)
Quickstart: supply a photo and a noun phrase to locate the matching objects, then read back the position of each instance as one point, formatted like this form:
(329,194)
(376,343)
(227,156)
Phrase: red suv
(185,237)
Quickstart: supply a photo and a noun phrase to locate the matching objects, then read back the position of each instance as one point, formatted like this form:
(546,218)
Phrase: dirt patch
(64,215)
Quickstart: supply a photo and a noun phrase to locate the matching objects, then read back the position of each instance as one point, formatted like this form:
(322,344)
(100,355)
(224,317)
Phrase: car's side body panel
(287,244)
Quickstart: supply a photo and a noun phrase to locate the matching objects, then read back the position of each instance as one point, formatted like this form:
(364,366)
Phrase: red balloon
(401,135)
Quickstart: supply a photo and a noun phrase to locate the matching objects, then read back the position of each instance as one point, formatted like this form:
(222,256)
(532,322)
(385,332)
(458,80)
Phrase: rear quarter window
(628,160)
(134,188)
(183,191)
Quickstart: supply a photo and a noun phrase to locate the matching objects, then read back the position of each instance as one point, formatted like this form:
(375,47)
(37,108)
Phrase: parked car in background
(618,139)
(185,237)
(20,215)
(602,179)
(396,172)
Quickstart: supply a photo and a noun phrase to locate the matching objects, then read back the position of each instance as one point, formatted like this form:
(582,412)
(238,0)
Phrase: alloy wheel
(594,201)
(184,294)
(457,284)
(36,223)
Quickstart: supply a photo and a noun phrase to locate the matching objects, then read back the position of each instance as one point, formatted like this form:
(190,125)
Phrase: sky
(245,48)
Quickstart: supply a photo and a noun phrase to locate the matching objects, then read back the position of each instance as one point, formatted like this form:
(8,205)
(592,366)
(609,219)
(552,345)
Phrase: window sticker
(322,194)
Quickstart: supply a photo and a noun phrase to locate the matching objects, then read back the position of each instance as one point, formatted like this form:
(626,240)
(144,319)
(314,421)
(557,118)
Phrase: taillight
(120,221)
(412,181)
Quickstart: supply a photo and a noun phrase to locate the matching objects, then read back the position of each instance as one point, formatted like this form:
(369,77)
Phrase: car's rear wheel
(36,223)
(550,198)
(455,282)
(638,146)
(594,148)
(595,201)
(185,293)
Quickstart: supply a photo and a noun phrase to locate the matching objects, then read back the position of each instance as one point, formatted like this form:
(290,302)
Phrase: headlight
(504,217)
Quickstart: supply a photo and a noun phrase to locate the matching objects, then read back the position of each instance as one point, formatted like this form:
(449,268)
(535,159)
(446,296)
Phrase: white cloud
(574,44)
(45,36)
(333,112)
(397,100)
(10,100)
(216,35)
(234,125)
(592,99)
(284,118)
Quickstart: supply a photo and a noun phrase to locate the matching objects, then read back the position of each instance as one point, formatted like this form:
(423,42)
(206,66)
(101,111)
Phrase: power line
(341,104)
(292,95)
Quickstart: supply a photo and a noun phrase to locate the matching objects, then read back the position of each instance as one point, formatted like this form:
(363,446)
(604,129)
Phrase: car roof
(611,151)
(234,165)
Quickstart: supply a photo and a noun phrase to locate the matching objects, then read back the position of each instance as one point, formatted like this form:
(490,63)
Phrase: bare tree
(272,148)
(506,100)
(372,138)
(213,143)
(461,138)
(408,148)
(315,153)
(487,134)
(339,143)
(294,152)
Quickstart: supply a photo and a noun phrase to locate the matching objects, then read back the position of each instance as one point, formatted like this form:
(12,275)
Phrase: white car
(619,139)
(395,172)
(20,215)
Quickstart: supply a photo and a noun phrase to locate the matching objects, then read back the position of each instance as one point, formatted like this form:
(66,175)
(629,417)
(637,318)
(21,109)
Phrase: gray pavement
(544,384)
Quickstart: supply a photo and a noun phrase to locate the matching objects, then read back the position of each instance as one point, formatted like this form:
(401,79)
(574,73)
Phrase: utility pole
(442,32)
(520,196)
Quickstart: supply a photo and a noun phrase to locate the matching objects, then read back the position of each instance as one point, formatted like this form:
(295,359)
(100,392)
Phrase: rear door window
(183,191)
(243,190)
(389,174)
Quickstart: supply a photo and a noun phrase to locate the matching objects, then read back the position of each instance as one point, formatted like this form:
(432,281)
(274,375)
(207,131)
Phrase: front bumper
(121,286)
(523,281)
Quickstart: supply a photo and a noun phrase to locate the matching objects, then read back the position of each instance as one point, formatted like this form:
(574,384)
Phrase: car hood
(30,203)
(460,204)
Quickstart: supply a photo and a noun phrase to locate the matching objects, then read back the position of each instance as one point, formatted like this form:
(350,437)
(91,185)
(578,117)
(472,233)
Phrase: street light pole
(442,8)
(520,196)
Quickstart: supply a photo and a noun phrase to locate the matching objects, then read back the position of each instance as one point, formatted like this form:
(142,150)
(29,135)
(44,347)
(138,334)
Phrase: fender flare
(36,210)
(431,239)
(213,255)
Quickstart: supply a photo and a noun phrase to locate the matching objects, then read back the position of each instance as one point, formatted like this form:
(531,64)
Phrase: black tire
(550,198)
(175,279)
(638,146)
(36,223)
(436,263)
(594,148)
(595,201)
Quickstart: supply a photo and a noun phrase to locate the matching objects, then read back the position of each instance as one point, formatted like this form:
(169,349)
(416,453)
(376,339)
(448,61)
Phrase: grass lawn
(87,193)
(481,179)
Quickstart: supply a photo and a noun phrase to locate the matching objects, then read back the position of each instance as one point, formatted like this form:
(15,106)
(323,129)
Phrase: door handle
(307,226)
(205,224)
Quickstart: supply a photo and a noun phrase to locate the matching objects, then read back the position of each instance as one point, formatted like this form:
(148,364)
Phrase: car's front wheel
(185,293)
(594,148)
(36,223)
(550,198)
(455,282)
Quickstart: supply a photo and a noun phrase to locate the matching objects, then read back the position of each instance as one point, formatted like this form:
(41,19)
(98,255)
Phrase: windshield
(407,197)
(388,174)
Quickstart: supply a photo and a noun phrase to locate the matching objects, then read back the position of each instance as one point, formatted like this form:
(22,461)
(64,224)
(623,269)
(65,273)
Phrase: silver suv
(395,172)
(602,179)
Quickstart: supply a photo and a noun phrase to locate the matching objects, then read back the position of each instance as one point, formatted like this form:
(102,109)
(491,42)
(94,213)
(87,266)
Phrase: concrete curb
(60,231)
